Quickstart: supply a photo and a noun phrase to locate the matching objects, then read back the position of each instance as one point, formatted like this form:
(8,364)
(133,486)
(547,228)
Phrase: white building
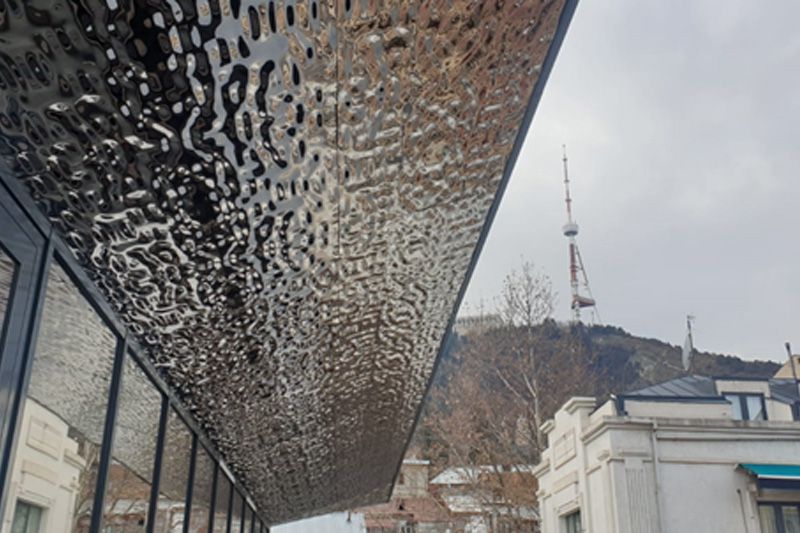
(692,455)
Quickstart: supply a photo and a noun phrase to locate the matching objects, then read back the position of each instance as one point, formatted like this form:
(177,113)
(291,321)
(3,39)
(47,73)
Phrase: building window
(747,406)
(401,480)
(27,518)
(572,522)
(779,517)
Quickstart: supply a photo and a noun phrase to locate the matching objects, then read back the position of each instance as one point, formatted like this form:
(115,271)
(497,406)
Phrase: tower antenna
(577,273)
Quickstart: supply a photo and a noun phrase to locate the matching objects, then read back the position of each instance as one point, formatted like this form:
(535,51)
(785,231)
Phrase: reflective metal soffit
(282,200)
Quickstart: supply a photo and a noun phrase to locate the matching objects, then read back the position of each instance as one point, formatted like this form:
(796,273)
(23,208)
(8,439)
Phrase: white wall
(605,466)
(412,481)
(46,470)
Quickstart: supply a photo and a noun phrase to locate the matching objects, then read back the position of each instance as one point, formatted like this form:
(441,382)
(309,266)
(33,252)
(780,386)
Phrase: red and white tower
(577,274)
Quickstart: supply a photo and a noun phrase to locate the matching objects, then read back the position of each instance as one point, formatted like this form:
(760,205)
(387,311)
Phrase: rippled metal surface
(280,198)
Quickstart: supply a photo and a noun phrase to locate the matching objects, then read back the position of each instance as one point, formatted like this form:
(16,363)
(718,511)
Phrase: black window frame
(42,246)
(742,398)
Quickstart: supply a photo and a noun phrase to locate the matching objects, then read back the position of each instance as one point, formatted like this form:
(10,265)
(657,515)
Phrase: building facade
(677,457)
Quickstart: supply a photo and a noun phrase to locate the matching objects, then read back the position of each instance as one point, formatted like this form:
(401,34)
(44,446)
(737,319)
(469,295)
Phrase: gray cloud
(682,121)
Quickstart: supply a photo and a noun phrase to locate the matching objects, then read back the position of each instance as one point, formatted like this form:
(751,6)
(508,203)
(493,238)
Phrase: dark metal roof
(782,390)
(283,201)
(687,386)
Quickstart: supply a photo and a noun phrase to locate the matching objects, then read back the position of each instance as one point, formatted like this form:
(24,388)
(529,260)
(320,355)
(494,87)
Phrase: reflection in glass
(766,514)
(236,512)
(134,450)
(64,413)
(27,518)
(791,519)
(755,407)
(201,492)
(222,503)
(736,407)
(247,520)
(174,476)
(6,277)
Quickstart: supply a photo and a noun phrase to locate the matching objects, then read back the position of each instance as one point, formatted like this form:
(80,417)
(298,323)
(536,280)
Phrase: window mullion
(108,434)
(154,488)
(743,404)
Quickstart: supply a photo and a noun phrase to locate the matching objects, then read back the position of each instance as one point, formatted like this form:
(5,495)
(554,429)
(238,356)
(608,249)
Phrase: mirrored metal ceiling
(281,199)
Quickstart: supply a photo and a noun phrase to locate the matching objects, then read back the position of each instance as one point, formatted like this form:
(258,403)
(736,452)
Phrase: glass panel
(201,491)
(573,522)
(236,520)
(134,451)
(766,515)
(736,406)
(27,518)
(174,476)
(791,519)
(223,501)
(64,414)
(7,270)
(248,519)
(755,408)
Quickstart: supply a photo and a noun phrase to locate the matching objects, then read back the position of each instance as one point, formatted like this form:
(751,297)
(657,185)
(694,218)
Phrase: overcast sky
(682,126)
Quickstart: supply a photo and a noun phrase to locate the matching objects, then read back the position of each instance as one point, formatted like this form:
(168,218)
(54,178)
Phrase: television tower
(577,274)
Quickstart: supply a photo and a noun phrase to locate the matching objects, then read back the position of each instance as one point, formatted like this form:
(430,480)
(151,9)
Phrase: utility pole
(796,381)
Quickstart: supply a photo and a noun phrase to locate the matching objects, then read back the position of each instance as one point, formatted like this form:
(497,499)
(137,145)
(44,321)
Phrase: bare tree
(507,380)
(527,301)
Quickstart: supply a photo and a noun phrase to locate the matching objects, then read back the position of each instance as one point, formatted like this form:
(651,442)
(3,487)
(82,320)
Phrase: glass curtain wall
(175,465)
(67,443)
(247,521)
(236,512)
(223,503)
(64,413)
(134,450)
(7,269)
(201,492)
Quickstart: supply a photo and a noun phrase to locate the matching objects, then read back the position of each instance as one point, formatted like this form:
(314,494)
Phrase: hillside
(637,361)
(483,404)
(629,362)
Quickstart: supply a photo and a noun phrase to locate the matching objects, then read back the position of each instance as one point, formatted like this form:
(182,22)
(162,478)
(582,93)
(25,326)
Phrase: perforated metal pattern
(280,198)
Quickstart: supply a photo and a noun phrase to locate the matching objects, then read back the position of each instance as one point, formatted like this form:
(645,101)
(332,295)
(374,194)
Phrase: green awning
(774,476)
(773,471)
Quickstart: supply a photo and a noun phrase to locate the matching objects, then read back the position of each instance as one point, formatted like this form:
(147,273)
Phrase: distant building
(48,456)
(457,500)
(695,454)
(786,371)
(412,508)
(473,496)
(476,324)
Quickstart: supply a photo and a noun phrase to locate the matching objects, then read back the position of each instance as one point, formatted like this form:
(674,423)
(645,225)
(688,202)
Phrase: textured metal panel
(281,199)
